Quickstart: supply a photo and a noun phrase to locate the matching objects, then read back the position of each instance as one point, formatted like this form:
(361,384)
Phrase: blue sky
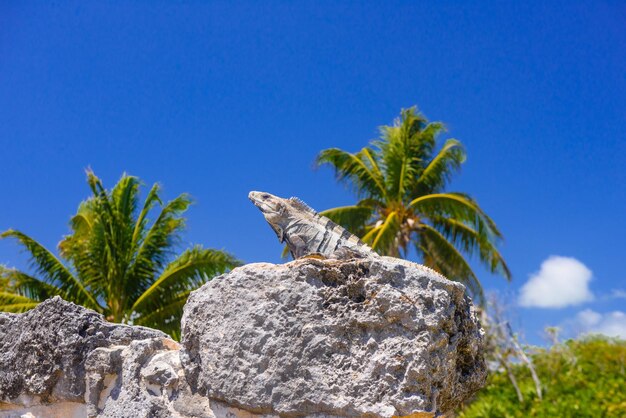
(217,98)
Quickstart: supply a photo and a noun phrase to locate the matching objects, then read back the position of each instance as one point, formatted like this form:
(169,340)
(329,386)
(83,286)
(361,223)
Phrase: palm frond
(81,225)
(359,170)
(166,317)
(105,267)
(370,158)
(383,235)
(440,169)
(190,270)
(397,148)
(472,241)
(457,206)
(124,196)
(442,256)
(353,218)
(157,246)
(52,270)
(11,302)
(285,253)
(140,225)
(28,286)
(406,147)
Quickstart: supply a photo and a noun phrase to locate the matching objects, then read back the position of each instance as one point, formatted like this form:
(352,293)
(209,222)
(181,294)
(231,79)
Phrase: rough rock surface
(365,337)
(142,379)
(43,351)
(62,360)
(325,338)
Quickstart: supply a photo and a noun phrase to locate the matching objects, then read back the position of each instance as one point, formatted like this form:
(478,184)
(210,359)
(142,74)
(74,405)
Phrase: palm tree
(117,262)
(400,181)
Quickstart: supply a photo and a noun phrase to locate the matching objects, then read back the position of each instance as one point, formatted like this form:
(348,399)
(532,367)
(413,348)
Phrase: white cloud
(612,324)
(560,282)
(587,319)
(618,294)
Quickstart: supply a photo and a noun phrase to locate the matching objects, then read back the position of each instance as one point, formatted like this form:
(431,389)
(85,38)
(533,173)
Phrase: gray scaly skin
(306,232)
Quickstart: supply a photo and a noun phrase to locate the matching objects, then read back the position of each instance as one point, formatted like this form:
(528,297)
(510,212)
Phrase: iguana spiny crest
(305,231)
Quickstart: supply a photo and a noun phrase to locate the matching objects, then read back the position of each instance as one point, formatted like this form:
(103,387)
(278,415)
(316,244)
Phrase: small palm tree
(400,181)
(115,261)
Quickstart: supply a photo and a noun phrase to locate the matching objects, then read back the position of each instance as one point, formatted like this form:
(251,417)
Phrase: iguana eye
(265,196)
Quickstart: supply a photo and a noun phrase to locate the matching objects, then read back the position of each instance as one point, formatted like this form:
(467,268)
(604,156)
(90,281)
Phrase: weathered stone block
(364,337)
(43,351)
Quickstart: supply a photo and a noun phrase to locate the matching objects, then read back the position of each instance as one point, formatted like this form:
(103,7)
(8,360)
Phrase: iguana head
(274,209)
(279,212)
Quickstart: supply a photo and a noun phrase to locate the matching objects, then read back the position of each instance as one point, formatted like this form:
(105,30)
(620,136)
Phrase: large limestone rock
(368,337)
(365,337)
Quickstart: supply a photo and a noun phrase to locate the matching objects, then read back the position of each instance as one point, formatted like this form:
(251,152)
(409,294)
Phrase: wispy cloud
(618,294)
(612,324)
(560,282)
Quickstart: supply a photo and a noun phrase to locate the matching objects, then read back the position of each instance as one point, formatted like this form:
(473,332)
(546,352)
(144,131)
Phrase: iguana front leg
(345,253)
(342,253)
(297,247)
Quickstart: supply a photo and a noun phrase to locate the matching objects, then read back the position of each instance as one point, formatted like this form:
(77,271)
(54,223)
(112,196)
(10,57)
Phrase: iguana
(309,234)
(306,232)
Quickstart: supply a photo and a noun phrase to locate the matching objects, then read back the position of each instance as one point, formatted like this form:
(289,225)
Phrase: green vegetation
(580,378)
(115,262)
(400,181)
